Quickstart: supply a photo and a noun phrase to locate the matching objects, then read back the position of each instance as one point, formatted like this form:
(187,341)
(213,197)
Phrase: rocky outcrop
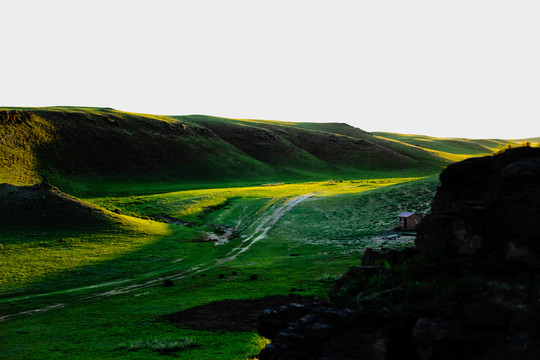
(488,208)
(472,293)
(324,332)
(388,256)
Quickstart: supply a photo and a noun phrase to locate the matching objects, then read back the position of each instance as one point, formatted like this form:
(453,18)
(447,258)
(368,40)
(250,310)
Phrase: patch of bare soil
(230,315)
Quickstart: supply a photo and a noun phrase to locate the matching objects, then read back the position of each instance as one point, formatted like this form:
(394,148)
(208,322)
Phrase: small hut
(408,220)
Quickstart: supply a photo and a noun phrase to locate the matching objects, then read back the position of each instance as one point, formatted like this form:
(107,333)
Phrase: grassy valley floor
(99,292)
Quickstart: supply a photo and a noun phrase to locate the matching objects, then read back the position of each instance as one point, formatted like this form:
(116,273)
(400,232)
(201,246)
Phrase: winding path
(123,286)
(265,224)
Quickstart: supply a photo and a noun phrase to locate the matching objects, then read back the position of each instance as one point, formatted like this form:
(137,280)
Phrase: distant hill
(332,149)
(91,150)
(458,146)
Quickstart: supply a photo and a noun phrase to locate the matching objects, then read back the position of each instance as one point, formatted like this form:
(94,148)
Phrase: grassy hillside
(81,149)
(91,150)
(343,149)
(37,207)
(456,146)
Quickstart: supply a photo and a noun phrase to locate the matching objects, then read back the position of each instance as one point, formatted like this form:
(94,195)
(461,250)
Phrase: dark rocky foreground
(228,315)
(470,289)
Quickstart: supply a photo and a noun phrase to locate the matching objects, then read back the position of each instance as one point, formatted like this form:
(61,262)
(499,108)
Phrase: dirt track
(123,286)
(264,225)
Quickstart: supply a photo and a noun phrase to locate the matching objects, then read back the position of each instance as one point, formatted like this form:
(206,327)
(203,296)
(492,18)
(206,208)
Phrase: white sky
(443,68)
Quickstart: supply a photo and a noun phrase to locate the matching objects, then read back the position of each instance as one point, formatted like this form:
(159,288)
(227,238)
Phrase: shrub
(258,343)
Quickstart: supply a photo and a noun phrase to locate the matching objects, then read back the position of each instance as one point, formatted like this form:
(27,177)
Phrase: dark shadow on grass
(168,254)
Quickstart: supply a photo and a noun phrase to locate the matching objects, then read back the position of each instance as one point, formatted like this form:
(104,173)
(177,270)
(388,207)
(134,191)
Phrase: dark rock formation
(323,332)
(473,293)
(352,275)
(43,185)
(389,256)
(487,207)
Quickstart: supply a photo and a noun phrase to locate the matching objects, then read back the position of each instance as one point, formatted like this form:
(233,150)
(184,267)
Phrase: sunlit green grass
(40,260)
(356,215)
(99,329)
(303,253)
(190,205)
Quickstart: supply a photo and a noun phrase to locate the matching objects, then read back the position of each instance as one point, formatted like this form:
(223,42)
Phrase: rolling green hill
(95,150)
(334,149)
(81,149)
(89,149)
(457,146)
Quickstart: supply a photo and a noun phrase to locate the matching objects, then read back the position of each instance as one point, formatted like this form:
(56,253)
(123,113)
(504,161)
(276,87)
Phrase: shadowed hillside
(92,150)
(40,206)
(314,147)
(341,148)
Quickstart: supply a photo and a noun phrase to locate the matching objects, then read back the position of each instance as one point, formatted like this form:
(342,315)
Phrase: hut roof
(406,214)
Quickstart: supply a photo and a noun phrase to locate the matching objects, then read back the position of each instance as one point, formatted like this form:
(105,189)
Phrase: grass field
(172,213)
(112,280)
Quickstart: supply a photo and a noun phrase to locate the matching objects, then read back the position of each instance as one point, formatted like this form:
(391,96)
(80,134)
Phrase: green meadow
(112,279)
(169,214)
